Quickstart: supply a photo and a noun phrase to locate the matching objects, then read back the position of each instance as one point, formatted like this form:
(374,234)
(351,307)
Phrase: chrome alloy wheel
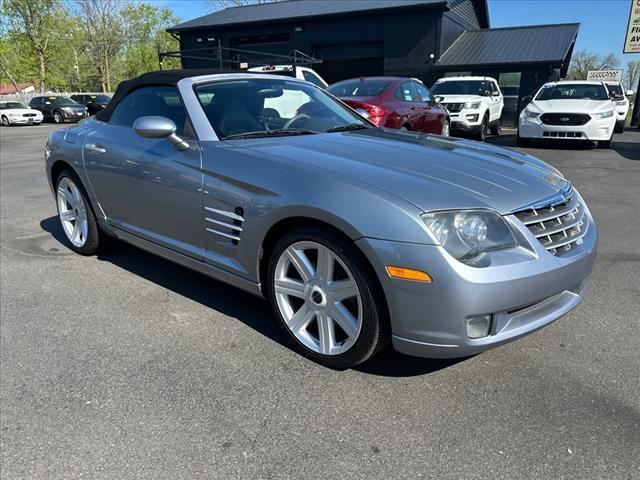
(318,298)
(72,212)
(445,129)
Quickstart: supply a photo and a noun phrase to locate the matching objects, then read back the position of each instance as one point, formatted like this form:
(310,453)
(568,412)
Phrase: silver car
(357,235)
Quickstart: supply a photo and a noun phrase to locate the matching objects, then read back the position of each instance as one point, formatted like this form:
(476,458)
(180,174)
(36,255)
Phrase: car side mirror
(47,103)
(629,93)
(159,127)
(495,94)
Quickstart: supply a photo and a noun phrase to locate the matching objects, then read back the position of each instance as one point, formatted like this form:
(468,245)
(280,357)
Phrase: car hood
(458,98)
(431,172)
(572,106)
(21,111)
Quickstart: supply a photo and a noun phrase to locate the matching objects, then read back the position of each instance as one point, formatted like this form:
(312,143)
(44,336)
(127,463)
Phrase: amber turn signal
(408,274)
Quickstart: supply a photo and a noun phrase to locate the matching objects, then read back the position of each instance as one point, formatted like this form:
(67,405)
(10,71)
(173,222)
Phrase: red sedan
(394,102)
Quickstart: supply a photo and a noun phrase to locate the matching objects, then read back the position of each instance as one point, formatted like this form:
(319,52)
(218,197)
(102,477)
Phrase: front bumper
(74,115)
(466,120)
(429,319)
(25,120)
(594,130)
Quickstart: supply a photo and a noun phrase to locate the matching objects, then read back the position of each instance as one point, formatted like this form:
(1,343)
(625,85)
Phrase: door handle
(92,147)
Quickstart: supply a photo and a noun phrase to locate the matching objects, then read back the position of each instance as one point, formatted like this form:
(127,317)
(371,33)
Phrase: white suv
(302,73)
(621,103)
(475,103)
(569,110)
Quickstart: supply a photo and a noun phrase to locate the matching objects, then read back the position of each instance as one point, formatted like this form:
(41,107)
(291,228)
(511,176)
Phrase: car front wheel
(484,126)
(446,129)
(322,291)
(57,118)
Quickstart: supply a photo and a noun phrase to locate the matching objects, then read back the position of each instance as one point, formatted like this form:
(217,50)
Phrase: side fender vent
(224,223)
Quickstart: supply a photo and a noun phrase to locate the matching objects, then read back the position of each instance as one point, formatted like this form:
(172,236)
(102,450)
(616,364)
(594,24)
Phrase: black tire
(5,121)
(482,133)
(523,142)
(375,332)
(619,128)
(604,144)
(57,117)
(496,128)
(95,238)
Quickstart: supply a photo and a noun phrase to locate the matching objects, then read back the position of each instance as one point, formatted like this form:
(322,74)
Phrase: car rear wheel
(5,121)
(76,217)
(320,287)
(57,118)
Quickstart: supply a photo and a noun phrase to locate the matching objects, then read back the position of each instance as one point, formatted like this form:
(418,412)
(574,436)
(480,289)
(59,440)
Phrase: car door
(407,107)
(496,101)
(145,186)
(430,120)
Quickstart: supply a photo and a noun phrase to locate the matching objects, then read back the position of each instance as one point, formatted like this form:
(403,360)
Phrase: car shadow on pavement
(251,310)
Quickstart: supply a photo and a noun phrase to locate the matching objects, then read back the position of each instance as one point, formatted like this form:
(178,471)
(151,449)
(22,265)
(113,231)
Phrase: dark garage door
(348,61)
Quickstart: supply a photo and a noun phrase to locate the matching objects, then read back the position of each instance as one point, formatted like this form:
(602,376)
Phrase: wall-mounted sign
(632,40)
(605,75)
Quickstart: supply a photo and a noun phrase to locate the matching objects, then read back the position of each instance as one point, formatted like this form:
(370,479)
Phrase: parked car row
(55,108)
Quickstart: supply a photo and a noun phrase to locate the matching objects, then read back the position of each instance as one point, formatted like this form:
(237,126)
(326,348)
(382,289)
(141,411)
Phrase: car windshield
(251,108)
(11,105)
(365,87)
(460,87)
(100,98)
(62,101)
(572,91)
(615,88)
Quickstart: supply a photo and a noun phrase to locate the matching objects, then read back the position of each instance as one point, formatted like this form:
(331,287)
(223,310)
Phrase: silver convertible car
(357,235)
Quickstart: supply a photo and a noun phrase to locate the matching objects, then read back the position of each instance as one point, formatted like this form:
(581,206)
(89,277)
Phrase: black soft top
(159,78)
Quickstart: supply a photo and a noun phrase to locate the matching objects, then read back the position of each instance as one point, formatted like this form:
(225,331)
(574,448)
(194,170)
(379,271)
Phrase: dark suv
(94,102)
(59,109)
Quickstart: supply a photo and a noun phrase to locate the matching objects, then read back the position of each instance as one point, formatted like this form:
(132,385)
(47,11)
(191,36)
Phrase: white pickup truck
(475,104)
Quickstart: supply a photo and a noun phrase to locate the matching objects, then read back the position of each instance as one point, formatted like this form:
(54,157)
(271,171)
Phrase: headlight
(530,113)
(468,234)
(472,105)
(607,114)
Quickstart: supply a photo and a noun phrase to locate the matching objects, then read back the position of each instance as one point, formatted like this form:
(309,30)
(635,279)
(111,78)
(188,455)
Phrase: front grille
(28,114)
(562,134)
(559,227)
(565,119)
(453,107)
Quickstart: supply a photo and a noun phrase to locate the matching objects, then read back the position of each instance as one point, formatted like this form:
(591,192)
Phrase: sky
(602,29)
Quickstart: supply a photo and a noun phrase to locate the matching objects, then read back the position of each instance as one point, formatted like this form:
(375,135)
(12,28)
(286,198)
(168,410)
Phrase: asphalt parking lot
(127,366)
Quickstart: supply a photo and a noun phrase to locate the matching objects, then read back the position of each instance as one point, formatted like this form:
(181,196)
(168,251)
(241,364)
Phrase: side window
(313,78)
(423,92)
(35,101)
(152,101)
(406,92)
(494,88)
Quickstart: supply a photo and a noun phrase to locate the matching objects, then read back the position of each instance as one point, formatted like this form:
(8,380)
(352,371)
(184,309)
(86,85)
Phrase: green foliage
(82,45)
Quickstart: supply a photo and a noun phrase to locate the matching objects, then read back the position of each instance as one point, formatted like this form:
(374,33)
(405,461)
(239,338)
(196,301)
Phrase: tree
(582,61)
(34,21)
(631,75)
(104,33)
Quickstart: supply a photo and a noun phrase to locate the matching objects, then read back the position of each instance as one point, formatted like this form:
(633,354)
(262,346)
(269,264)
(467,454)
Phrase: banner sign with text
(632,40)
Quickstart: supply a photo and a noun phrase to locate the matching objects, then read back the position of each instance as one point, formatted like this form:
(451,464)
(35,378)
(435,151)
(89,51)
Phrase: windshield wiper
(282,132)
(348,127)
